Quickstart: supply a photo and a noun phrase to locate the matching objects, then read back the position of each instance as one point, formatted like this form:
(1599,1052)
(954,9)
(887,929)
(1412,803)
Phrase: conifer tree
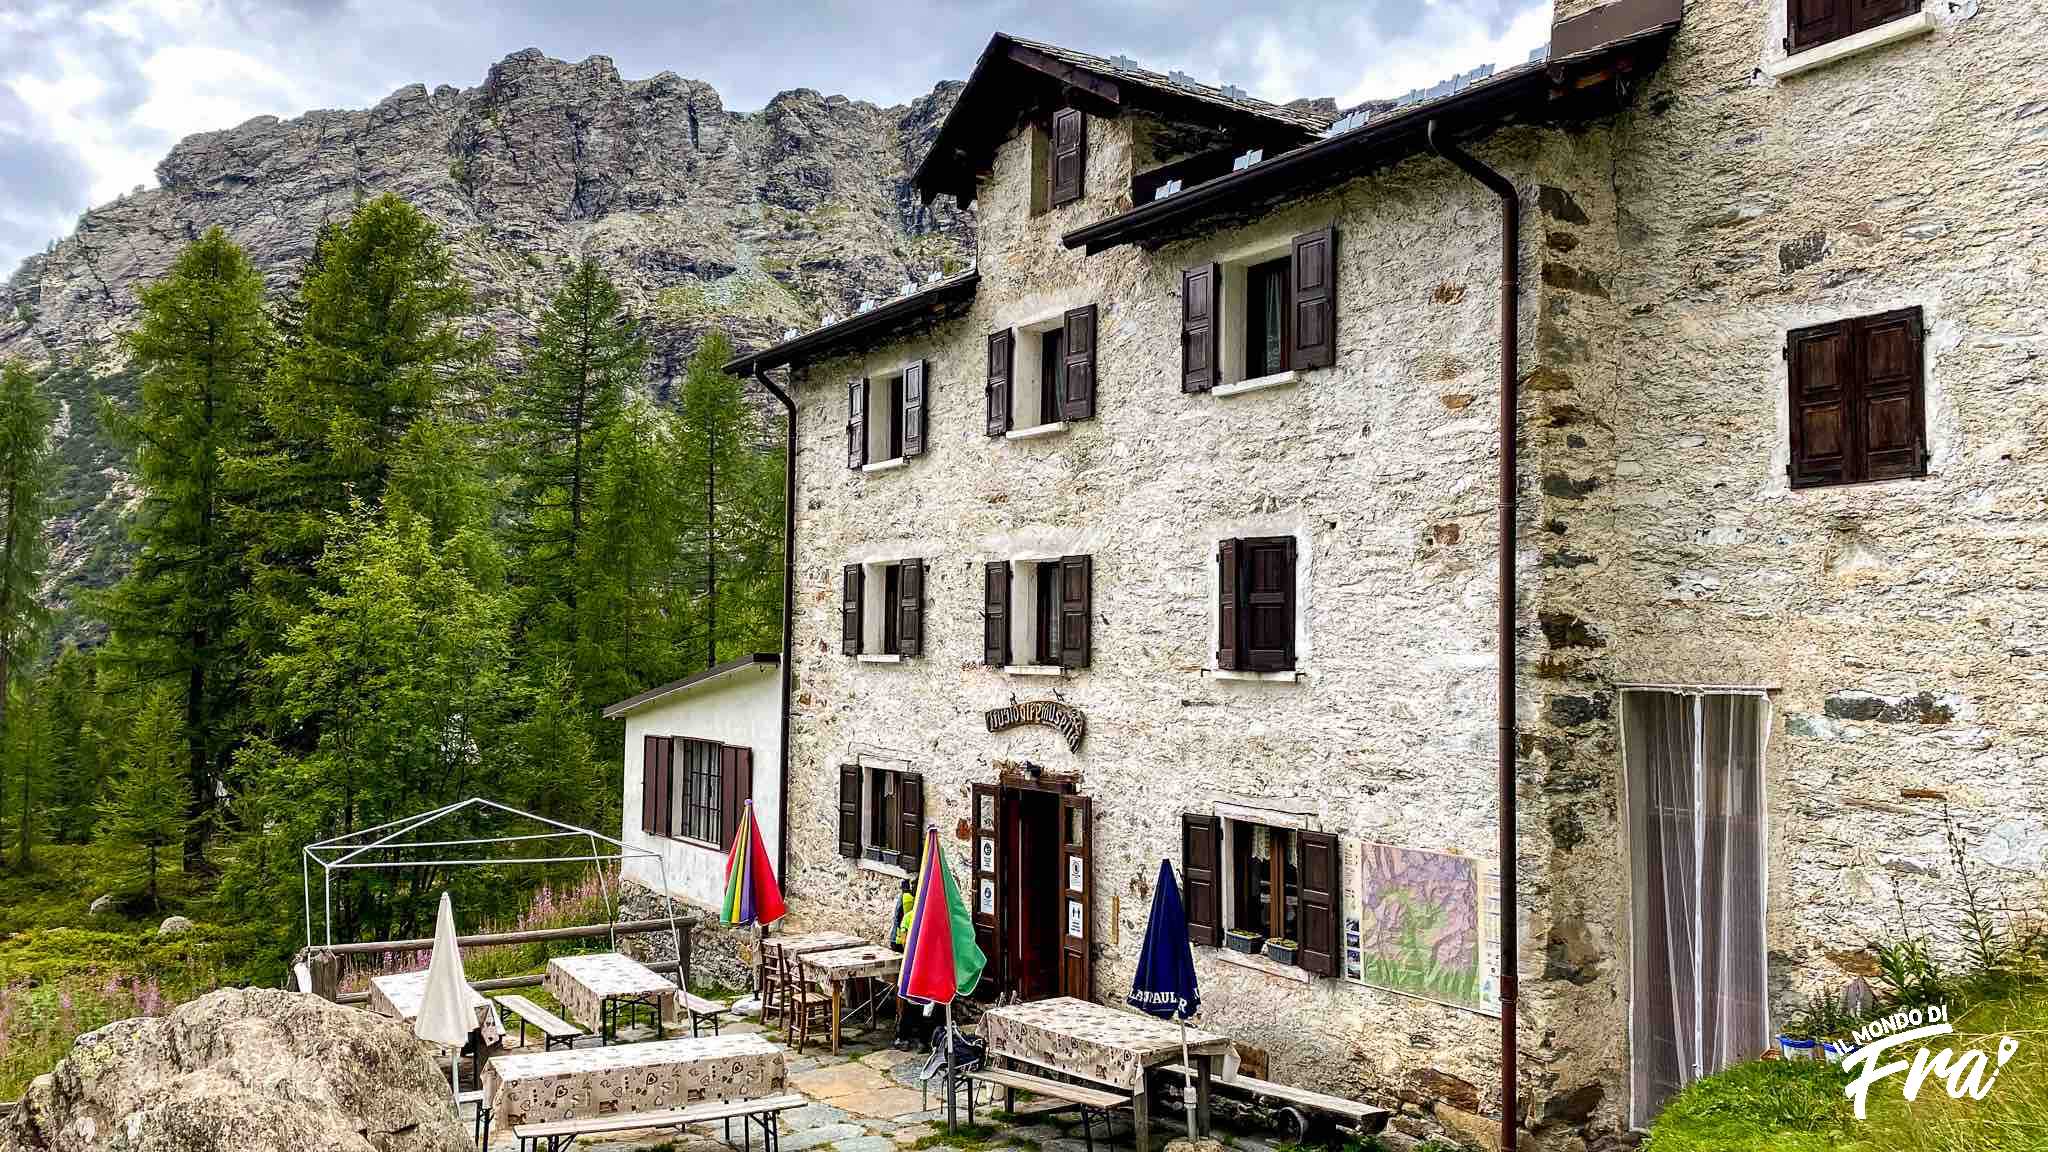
(733,504)
(201,342)
(71,705)
(145,811)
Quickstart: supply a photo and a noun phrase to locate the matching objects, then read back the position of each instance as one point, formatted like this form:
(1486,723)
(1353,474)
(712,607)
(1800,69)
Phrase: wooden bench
(1089,1100)
(701,1009)
(555,1031)
(1297,1104)
(766,1111)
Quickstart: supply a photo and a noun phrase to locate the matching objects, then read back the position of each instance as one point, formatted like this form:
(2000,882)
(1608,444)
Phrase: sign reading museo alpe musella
(1065,719)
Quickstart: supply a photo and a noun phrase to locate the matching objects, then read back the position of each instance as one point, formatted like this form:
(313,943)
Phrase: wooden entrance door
(1077,898)
(986,885)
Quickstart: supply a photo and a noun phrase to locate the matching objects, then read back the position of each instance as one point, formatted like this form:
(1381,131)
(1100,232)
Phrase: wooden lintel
(1096,87)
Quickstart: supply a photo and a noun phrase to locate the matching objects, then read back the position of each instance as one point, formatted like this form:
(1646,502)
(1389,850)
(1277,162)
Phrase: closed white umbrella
(447,1012)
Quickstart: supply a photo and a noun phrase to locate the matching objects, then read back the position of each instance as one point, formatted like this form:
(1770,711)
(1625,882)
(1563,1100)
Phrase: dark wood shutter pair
(856,423)
(656,756)
(1857,400)
(1077,400)
(1312,322)
(1201,865)
(735,788)
(1069,155)
(858,393)
(1076,596)
(1255,604)
(1810,23)
(910,822)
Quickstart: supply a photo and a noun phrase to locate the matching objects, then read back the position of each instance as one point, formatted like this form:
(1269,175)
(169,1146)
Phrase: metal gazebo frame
(346,849)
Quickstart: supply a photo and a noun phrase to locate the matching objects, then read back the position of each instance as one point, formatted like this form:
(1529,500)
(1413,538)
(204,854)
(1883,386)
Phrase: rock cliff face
(241,1069)
(751,222)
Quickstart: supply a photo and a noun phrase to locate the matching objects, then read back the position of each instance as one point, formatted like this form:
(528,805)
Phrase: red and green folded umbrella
(940,958)
(751,893)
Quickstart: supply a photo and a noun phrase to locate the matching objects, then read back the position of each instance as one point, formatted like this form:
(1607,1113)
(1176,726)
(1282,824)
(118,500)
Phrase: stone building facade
(1672,244)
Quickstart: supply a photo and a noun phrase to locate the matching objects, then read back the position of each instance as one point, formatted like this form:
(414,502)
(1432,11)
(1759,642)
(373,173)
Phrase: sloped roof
(1015,74)
(716,672)
(931,304)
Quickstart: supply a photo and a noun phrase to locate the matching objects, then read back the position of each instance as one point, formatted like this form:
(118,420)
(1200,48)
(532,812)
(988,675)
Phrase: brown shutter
(910,607)
(1228,647)
(995,613)
(743,785)
(913,409)
(849,811)
(1077,594)
(1818,371)
(1069,154)
(1201,858)
(1811,22)
(1319,883)
(728,794)
(650,782)
(1001,348)
(1078,403)
(1268,597)
(910,821)
(665,788)
(1077,900)
(1314,267)
(1198,327)
(1890,424)
(1870,13)
(856,423)
(852,582)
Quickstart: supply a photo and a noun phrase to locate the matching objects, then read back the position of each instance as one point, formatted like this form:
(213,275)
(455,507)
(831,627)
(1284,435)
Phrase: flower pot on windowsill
(1242,941)
(1281,951)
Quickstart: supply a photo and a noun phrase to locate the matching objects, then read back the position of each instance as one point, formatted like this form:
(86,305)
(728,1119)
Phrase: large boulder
(242,1070)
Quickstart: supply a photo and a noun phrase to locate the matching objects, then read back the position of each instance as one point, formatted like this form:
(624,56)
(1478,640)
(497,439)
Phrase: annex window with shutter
(1812,23)
(1858,405)
(1250,881)
(1258,318)
(881,609)
(1037,614)
(1257,618)
(1042,374)
(694,789)
(885,417)
(881,814)
(1059,159)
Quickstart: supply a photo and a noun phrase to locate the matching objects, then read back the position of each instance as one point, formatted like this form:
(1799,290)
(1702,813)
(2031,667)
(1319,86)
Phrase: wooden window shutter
(1201,860)
(1314,267)
(1229,650)
(910,822)
(1079,401)
(910,608)
(856,423)
(1889,429)
(1077,595)
(1812,22)
(849,811)
(1001,348)
(995,614)
(1818,371)
(1069,154)
(1319,883)
(650,782)
(1870,13)
(728,794)
(743,786)
(852,590)
(665,786)
(913,409)
(1198,327)
(1267,593)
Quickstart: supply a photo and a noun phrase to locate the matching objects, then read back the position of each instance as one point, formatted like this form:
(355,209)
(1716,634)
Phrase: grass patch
(970,1137)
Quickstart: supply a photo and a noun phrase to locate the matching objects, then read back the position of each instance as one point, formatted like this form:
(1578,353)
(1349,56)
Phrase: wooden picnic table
(594,987)
(1103,1045)
(578,1083)
(835,968)
(400,996)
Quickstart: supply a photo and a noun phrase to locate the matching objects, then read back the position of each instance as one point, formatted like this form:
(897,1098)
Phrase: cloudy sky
(94,92)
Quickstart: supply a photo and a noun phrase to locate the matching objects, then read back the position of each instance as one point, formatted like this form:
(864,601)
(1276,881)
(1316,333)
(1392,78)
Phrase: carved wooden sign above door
(1065,719)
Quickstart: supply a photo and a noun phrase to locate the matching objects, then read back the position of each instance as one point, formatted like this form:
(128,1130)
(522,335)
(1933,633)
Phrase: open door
(1077,898)
(985,884)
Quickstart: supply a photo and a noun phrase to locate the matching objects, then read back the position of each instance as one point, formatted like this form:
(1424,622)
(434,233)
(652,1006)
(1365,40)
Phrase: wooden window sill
(1033,669)
(1034,432)
(1258,383)
(1259,963)
(879,658)
(1820,55)
(883,465)
(1287,677)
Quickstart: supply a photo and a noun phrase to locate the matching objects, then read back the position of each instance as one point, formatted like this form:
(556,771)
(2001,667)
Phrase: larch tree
(734,505)
(145,811)
(202,342)
(26,475)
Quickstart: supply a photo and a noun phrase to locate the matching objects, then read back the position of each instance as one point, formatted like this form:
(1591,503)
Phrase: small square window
(1857,405)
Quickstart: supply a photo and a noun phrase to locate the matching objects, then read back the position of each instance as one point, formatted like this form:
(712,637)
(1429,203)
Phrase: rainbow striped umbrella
(751,893)
(940,957)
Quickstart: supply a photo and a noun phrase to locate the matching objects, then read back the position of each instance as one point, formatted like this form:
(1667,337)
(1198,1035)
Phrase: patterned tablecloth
(843,964)
(1092,1041)
(582,1083)
(802,942)
(583,983)
(400,996)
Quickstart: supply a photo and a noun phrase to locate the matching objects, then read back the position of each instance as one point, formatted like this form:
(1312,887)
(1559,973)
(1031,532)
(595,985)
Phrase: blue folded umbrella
(1165,984)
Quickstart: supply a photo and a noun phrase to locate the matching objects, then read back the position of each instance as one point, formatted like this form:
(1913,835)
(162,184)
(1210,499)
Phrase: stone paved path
(866,1099)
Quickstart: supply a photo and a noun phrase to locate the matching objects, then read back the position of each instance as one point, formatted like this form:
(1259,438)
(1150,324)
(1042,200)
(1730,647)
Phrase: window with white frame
(885,417)
(881,609)
(1260,314)
(1037,612)
(881,813)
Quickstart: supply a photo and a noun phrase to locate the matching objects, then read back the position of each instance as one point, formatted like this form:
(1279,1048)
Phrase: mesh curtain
(1694,765)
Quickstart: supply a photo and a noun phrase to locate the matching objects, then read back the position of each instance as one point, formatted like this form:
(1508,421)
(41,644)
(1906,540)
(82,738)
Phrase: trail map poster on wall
(1423,924)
